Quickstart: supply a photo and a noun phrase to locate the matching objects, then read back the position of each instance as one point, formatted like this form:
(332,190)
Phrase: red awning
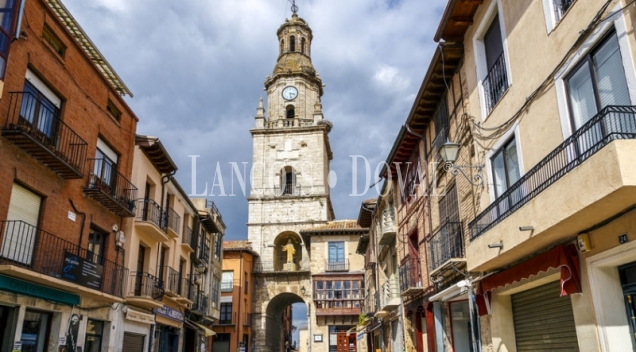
(563,257)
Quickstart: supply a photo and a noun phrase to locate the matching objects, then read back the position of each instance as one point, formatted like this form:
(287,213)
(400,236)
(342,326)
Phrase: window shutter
(493,43)
(582,96)
(133,342)
(21,229)
(24,205)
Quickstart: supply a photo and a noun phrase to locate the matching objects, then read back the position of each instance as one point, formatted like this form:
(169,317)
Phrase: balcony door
(105,166)
(139,282)
(20,232)
(40,108)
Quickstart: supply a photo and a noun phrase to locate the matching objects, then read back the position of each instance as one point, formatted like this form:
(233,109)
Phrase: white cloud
(389,77)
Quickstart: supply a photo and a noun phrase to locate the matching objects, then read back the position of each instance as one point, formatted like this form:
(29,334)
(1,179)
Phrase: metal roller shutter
(543,320)
(21,228)
(133,342)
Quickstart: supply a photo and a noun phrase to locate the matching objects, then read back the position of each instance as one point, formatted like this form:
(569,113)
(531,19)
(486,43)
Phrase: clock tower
(289,190)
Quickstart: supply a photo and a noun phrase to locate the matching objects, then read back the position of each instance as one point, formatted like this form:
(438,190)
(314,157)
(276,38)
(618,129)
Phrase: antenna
(294,8)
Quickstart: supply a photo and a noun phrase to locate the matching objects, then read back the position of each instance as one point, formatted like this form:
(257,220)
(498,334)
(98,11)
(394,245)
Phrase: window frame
(411,178)
(224,312)
(499,151)
(8,33)
(97,256)
(338,250)
(53,41)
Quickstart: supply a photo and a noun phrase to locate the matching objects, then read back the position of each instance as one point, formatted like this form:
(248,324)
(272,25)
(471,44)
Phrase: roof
(239,245)
(156,153)
(366,212)
(457,17)
(336,227)
(89,48)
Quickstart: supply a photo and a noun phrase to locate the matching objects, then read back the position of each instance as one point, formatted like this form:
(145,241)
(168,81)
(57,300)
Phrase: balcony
(269,267)
(287,123)
(186,239)
(338,306)
(226,319)
(28,252)
(446,247)
(200,302)
(389,296)
(110,188)
(595,169)
(174,223)
(185,296)
(145,290)
(388,227)
(227,286)
(247,319)
(495,83)
(151,220)
(39,131)
(337,266)
(172,281)
(410,278)
(211,218)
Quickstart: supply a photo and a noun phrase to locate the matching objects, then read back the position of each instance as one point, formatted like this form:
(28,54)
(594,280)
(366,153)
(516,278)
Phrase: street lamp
(448,152)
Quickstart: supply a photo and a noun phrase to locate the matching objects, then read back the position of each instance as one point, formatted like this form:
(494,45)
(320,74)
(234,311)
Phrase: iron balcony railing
(446,244)
(50,140)
(410,275)
(172,279)
(210,205)
(227,286)
(369,304)
(342,265)
(560,7)
(610,124)
(146,285)
(32,248)
(290,122)
(185,288)
(200,302)
(186,237)
(247,319)
(149,210)
(269,267)
(495,83)
(174,220)
(106,185)
(390,289)
(227,318)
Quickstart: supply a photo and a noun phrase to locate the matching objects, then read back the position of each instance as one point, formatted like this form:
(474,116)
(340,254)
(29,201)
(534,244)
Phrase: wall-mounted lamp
(496,245)
(200,268)
(448,152)
(303,290)
(526,228)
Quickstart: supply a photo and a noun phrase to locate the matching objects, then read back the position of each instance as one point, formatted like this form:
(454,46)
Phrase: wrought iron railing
(227,286)
(210,205)
(410,275)
(172,279)
(247,319)
(149,210)
(29,247)
(268,266)
(29,115)
(186,236)
(143,284)
(185,288)
(104,177)
(495,83)
(560,7)
(342,265)
(200,302)
(446,244)
(610,124)
(174,220)
(391,289)
(226,319)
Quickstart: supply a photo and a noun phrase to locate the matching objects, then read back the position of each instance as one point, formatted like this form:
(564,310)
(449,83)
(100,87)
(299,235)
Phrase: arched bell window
(291,112)
(288,181)
(292,43)
(282,46)
(302,45)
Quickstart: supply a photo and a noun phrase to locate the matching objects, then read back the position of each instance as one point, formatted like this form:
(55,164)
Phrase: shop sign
(81,271)
(39,291)
(140,317)
(169,313)
(360,336)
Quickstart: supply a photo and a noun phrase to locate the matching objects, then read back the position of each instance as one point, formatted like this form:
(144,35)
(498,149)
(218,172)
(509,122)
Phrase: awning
(563,257)
(452,292)
(206,331)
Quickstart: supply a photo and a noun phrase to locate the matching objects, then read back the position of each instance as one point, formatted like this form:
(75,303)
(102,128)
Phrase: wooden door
(342,342)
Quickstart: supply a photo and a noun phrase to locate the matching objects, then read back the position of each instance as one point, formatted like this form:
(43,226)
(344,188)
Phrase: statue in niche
(289,248)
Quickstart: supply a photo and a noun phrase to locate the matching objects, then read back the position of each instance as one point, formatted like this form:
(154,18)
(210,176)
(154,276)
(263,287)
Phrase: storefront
(168,329)
(137,329)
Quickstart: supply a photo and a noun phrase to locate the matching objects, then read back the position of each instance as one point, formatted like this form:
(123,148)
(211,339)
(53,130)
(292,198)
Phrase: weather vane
(294,8)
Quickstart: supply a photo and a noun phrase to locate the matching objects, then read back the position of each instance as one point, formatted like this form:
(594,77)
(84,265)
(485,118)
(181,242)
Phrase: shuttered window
(133,342)
(543,320)
(21,226)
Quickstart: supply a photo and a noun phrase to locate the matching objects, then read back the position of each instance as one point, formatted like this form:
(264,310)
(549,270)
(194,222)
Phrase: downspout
(83,218)
(239,300)
(16,35)
(164,180)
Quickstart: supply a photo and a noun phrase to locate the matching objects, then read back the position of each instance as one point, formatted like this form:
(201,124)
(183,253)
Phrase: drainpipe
(83,222)
(239,300)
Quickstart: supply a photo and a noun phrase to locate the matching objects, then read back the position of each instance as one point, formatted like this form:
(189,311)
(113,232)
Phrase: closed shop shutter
(396,335)
(21,228)
(543,320)
(133,342)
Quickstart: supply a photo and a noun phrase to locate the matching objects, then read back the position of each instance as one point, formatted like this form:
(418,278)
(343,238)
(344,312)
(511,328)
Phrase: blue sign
(81,271)
(169,313)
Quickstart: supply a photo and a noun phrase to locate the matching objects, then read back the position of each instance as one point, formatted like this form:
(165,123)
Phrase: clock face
(290,93)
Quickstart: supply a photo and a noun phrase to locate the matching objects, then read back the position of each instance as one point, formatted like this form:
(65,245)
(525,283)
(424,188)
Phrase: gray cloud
(197,70)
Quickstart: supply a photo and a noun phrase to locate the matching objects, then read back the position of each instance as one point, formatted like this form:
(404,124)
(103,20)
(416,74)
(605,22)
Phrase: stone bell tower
(290,191)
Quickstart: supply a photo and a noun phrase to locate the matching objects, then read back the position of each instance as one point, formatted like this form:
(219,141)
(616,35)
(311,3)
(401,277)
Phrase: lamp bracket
(476,180)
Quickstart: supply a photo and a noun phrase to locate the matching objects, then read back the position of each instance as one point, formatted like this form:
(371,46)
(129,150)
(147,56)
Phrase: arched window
(288,181)
(282,46)
(302,45)
(292,43)
(291,113)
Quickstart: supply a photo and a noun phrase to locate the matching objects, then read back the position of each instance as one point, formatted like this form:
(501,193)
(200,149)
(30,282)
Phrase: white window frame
(628,65)
(513,132)
(551,20)
(480,52)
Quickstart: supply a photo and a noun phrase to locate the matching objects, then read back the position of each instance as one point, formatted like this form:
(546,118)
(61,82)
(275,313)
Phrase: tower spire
(294,8)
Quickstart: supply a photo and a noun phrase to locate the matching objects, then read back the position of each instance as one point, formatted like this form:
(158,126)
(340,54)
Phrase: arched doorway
(282,322)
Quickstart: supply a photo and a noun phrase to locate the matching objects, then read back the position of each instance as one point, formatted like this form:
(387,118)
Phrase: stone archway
(274,325)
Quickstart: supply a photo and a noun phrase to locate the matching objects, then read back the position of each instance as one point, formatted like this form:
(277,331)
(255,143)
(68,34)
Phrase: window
(94,332)
(338,293)
(288,181)
(105,167)
(227,281)
(7,13)
(336,252)
(441,118)
(282,46)
(495,83)
(54,42)
(113,110)
(302,45)
(218,246)
(21,229)
(96,241)
(35,327)
(411,175)
(505,167)
(292,43)
(597,82)
(40,108)
(560,7)
(246,284)
(226,313)
(291,113)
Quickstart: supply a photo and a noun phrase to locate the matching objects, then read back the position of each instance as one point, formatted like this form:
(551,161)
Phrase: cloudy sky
(197,67)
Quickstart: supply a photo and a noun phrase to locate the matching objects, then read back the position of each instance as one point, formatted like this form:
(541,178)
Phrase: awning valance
(565,258)
(206,331)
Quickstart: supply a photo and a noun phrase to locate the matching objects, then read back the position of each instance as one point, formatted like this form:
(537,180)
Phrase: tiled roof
(336,226)
(237,245)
